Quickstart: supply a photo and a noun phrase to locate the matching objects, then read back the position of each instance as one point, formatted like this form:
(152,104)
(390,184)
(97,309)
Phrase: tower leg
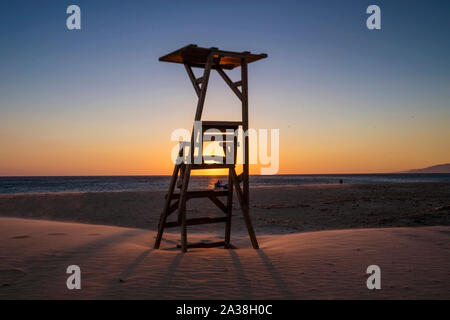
(229,209)
(162,219)
(245,210)
(182,207)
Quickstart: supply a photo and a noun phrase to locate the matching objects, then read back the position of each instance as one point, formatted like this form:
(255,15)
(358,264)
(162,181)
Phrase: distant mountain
(440,168)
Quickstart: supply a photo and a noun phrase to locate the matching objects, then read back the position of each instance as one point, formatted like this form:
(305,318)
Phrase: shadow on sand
(172,268)
(276,276)
(132,266)
(245,284)
(241,278)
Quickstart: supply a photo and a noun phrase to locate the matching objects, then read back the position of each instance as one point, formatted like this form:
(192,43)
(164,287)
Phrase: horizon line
(200,175)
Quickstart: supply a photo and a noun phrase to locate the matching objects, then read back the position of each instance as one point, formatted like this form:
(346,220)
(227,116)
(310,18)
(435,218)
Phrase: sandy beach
(316,242)
(274,210)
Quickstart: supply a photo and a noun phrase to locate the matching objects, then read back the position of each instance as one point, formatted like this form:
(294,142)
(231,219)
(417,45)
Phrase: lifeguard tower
(209,59)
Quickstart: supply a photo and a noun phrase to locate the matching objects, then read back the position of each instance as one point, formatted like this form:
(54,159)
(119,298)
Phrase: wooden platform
(197,56)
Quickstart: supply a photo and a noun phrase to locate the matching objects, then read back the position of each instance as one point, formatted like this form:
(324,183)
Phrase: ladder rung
(204,244)
(237,83)
(196,221)
(202,194)
(198,166)
(221,124)
(225,135)
(212,166)
(217,160)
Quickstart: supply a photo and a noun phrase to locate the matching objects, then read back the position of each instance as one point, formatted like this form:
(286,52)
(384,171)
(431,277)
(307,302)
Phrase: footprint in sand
(21,237)
(57,234)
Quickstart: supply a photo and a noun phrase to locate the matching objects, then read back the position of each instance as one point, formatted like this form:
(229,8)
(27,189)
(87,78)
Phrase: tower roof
(196,57)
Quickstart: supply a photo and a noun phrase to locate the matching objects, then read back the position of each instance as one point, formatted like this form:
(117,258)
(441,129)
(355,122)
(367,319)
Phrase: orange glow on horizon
(124,144)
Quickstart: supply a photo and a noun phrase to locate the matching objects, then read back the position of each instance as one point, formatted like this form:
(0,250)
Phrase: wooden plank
(217,159)
(218,203)
(221,125)
(245,211)
(205,244)
(197,56)
(227,134)
(226,66)
(212,166)
(167,56)
(180,180)
(244,54)
(196,221)
(230,83)
(182,206)
(199,80)
(237,186)
(164,213)
(245,196)
(193,80)
(202,194)
(187,170)
(229,210)
(201,98)
(245,173)
(183,227)
(173,207)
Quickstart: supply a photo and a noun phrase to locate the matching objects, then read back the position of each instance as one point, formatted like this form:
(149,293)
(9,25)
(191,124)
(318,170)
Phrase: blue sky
(325,71)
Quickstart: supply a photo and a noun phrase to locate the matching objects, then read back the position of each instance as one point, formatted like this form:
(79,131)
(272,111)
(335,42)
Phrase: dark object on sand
(209,59)
(341,181)
(219,185)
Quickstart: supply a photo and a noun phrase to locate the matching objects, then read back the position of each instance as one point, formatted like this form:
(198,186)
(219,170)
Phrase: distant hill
(440,168)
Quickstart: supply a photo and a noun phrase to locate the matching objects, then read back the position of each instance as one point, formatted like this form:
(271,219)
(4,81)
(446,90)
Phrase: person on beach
(219,184)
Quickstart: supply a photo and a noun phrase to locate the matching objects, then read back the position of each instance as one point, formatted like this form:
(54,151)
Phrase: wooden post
(187,172)
(246,166)
(205,79)
(163,218)
(245,176)
(193,80)
(229,209)
(182,207)
(245,210)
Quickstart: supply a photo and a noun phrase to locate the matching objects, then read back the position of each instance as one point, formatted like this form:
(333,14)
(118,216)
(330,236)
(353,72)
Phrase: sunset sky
(346,99)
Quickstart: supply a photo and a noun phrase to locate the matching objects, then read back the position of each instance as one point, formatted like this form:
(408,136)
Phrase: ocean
(10,185)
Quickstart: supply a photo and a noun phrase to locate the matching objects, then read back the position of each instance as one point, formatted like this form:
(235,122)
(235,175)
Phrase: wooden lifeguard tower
(211,59)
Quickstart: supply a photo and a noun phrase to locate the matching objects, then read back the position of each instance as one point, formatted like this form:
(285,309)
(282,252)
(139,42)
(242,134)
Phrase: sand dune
(119,263)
